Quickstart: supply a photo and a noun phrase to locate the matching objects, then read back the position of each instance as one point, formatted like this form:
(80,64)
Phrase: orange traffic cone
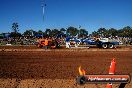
(111,71)
(112,67)
(109,85)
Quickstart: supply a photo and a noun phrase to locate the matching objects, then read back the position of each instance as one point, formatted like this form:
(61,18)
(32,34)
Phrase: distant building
(7,35)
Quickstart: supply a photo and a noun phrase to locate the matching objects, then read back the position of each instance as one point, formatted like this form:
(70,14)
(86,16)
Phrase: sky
(90,14)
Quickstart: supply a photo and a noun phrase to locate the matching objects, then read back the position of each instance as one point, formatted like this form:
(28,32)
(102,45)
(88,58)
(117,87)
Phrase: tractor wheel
(53,45)
(105,46)
(130,43)
(111,46)
(40,46)
(81,80)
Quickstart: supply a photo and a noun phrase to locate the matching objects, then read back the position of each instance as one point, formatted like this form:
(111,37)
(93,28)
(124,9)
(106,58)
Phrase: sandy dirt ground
(26,68)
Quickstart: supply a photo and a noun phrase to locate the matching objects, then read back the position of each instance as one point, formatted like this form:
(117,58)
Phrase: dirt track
(58,68)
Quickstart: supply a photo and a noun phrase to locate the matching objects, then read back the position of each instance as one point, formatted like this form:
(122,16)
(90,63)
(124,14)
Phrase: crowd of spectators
(26,40)
(32,40)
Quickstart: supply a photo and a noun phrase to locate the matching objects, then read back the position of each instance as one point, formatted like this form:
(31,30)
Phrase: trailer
(99,42)
(103,43)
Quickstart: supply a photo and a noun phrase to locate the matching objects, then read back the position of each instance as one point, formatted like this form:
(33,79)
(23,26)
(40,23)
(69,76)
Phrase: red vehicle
(51,43)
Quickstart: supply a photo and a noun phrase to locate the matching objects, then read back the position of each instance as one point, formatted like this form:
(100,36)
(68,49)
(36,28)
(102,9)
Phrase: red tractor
(47,42)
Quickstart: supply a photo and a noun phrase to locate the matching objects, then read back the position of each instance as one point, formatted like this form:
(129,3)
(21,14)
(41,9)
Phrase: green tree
(15,27)
(29,33)
(102,31)
(72,31)
(120,33)
(95,34)
(33,32)
(130,33)
(40,32)
(112,32)
(15,30)
(63,30)
(127,31)
(48,32)
(83,33)
(55,32)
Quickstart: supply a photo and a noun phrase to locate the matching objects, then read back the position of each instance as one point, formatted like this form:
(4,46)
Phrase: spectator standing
(46,43)
(67,42)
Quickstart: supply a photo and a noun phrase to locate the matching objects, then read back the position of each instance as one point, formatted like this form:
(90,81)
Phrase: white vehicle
(8,44)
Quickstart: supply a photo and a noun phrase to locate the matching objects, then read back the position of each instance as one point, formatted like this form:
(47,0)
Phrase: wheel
(40,46)
(104,46)
(88,46)
(81,80)
(111,46)
(130,43)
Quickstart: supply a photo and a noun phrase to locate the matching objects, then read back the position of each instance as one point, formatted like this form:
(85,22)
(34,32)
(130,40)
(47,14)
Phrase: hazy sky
(90,14)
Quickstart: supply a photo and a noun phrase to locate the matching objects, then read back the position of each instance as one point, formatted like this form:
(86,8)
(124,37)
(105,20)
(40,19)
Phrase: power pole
(43,8)
(43,5)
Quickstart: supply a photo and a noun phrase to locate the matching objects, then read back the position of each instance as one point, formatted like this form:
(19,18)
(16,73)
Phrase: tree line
(124,32)
(73,31)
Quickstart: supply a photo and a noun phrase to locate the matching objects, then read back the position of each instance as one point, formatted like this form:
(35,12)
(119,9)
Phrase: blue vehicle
(102,43)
